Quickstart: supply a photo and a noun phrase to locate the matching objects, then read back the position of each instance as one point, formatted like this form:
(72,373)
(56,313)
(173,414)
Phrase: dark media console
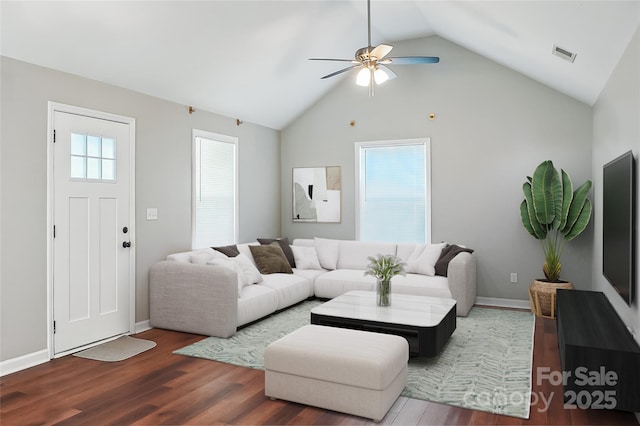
(600,359)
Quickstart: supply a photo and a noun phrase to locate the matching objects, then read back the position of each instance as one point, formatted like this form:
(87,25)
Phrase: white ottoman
(351,371)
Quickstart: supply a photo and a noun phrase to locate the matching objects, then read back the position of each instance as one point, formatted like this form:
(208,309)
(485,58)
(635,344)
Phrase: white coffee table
(426,322)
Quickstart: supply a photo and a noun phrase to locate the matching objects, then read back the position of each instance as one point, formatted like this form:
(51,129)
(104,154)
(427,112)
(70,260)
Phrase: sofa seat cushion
(257,301)
(421,285)
(310,275)
(334,283)
(353,254)
(289,288)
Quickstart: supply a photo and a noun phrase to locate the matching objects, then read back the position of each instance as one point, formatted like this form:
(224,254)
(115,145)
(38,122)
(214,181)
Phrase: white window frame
(360,183)
(194,178)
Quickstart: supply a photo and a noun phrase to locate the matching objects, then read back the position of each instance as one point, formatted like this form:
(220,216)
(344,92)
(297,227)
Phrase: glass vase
(383,292)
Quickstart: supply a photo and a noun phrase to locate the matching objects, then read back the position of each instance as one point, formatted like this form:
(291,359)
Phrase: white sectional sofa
(204,292)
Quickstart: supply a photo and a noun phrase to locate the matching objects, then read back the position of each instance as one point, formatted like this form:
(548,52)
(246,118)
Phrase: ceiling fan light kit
(372,61)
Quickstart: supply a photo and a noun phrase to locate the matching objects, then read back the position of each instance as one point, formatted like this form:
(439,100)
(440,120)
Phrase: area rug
(117,350)
(485,365)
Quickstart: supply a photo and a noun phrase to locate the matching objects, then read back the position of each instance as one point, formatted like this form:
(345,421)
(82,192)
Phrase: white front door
(92,233)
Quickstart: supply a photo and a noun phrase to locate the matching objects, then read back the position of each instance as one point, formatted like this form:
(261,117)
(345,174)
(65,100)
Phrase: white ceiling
(248,59)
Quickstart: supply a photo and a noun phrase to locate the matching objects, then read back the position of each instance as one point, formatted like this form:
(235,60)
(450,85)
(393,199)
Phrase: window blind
(393,193)
(214,192)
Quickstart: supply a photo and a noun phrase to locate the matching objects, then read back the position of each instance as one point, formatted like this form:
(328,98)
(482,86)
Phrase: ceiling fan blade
(340,71)
(390,73)
(380,51)
(332,59)
(408,60)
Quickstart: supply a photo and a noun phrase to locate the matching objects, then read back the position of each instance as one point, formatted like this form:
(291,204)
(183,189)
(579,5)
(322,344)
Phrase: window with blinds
(214,185)
(393,191)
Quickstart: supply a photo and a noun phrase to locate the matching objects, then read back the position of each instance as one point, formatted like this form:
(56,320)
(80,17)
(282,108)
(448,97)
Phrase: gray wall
(163,180)
(493,126)
(616,130)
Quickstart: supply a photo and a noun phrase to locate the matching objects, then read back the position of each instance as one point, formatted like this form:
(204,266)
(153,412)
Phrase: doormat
(117,350)
(485,365)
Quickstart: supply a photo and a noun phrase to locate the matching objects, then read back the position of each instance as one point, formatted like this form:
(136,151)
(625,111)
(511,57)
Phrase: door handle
(126,244)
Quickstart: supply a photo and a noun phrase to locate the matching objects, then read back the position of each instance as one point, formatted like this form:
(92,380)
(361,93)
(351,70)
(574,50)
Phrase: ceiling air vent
(563,53)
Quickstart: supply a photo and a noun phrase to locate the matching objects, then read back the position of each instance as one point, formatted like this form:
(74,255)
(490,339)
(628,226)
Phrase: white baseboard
(503,303)
(142,326)
(22,362)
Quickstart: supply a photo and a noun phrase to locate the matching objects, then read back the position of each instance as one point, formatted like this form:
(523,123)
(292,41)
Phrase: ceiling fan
(372,61)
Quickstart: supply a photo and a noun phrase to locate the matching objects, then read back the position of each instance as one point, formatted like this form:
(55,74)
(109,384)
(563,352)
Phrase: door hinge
(54,135)
(54,327)
(54,231)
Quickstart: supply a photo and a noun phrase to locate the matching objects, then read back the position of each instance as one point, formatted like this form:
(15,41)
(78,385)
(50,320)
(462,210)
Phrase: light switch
(152,214)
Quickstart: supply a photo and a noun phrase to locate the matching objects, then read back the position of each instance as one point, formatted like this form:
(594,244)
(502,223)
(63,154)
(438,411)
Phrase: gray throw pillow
(285,245)
(230,251)
(270,259)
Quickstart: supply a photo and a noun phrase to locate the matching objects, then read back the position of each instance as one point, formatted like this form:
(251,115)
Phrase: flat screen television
(618,225)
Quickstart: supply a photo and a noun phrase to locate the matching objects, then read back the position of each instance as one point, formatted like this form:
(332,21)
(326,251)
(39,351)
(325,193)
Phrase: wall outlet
(514,277)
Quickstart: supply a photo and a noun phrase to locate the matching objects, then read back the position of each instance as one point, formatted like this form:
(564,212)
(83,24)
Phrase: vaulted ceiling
(248,59)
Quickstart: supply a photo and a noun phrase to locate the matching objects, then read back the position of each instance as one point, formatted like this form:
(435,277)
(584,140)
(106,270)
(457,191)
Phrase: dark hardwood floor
(157,387)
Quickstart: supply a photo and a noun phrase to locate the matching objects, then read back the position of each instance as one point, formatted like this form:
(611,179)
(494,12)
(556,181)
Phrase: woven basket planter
(542,296)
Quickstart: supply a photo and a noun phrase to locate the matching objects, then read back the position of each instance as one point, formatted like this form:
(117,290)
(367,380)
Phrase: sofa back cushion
(353,254)
(328,251)
(404,250)
(304,242)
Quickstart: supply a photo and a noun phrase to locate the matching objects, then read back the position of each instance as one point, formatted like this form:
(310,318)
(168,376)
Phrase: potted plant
(384,267)
(553,213)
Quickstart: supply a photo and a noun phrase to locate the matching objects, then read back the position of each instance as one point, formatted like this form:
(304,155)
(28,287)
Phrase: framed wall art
(317,194)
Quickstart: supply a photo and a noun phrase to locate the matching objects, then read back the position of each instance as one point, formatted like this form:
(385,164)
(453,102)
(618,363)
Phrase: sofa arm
(199,299)
(462,281)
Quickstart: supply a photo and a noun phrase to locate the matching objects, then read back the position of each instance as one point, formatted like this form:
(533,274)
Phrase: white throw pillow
(328,251)
(232,266)
(423,259)
(202,257)
(305,257)
(251,273)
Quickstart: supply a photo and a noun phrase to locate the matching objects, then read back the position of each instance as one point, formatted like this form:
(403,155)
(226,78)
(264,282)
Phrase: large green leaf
(581,222)
(579,198)
(528,215)
(567,197)
(546,190)
(526,222)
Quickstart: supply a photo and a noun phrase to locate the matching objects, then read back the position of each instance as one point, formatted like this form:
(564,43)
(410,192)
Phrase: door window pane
(94,146)
(93,168)
(108,169)
(78,144)
(78,167)
(108,148)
